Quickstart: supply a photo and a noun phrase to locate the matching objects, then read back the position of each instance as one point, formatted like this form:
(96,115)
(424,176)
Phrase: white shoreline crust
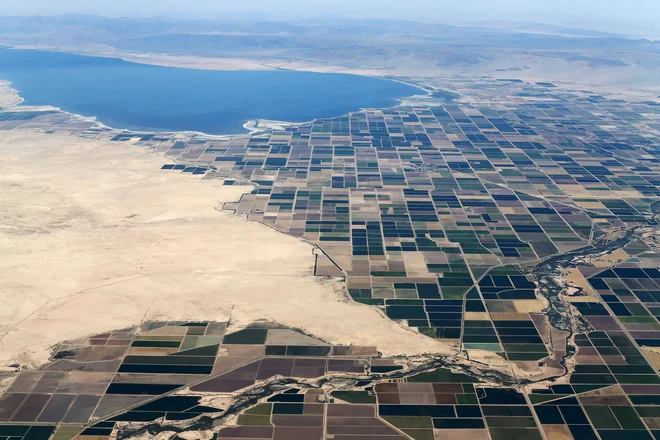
(9,96)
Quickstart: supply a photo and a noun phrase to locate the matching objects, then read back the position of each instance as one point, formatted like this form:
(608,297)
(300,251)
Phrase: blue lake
(153,98)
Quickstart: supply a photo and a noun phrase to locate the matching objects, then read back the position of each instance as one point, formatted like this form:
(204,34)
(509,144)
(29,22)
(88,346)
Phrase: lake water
(153,98)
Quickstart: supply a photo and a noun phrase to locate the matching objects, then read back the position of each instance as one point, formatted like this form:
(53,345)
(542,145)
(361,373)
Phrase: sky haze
(612,15)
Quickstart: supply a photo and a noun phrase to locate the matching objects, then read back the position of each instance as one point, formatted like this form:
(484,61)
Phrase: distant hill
(491,47)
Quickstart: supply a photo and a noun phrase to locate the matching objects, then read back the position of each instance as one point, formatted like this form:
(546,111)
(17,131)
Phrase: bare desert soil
(94,237)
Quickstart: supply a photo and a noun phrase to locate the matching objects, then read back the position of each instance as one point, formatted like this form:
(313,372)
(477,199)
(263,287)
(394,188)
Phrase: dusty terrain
(94,237)
(231,63)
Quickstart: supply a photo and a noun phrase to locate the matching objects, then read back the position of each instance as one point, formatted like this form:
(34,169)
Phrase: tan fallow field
(95,237)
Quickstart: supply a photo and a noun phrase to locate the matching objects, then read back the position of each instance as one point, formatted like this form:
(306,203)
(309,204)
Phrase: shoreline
(212,63)
(253,126)
(11,98)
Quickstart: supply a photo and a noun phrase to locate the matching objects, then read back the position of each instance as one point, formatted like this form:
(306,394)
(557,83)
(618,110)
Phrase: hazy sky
(602,13)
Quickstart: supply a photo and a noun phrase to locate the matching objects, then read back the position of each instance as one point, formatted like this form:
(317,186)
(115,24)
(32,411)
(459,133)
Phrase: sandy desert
(94,237)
